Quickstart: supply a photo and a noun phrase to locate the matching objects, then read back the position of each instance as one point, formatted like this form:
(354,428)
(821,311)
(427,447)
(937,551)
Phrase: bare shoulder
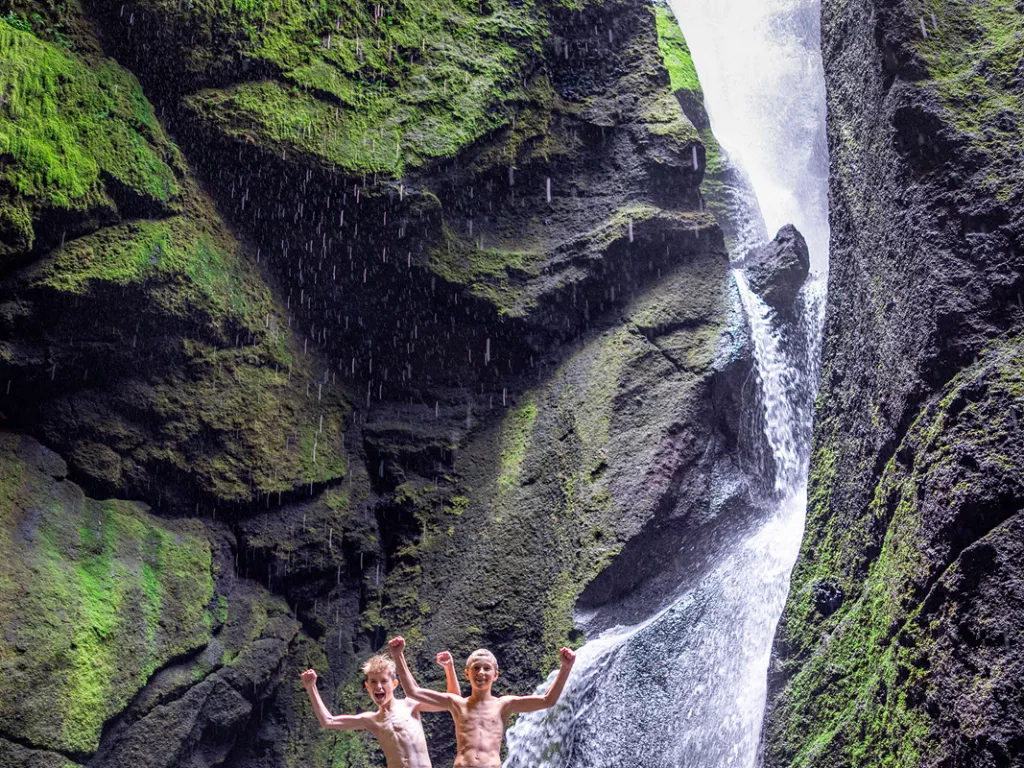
(410,706)
(371,717)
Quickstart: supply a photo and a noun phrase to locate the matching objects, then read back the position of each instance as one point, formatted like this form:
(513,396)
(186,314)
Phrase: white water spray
(760,67)
(686,688)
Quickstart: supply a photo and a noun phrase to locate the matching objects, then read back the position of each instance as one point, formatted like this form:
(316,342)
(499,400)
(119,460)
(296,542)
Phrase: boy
(480,719)
(396,724)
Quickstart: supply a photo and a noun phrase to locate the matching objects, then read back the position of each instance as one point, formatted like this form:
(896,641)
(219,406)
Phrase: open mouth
(380,696)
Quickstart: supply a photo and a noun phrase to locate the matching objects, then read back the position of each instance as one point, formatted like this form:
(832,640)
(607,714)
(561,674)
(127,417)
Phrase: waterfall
(686,687)
(760,67)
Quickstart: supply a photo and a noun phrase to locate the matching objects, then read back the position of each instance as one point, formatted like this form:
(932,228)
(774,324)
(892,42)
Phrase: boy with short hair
(396,724)
(480,719)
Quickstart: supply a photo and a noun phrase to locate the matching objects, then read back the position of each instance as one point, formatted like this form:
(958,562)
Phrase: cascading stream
(686,688)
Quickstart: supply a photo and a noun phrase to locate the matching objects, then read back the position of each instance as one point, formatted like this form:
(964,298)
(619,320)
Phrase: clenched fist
(568,656)
(308,678)
(396,644)
(444,658)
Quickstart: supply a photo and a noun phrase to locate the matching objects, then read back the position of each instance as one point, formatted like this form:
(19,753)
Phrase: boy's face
(481,672)
(381,687)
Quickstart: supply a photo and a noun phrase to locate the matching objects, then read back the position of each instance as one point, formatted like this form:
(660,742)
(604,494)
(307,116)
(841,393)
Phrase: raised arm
(515,704)
(327,720)
(413,691)
(444,658)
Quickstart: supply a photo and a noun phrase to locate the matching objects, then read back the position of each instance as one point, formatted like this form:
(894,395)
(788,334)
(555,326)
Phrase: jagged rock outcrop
(900,640)
(417,322)
(777,270)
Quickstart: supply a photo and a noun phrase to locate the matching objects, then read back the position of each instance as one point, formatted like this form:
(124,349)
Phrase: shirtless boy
(396,724)
(479,719)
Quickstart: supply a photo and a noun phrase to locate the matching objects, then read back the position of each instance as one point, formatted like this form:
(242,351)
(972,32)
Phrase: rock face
(125,636)
(415,325)
(900,643)
(778,269)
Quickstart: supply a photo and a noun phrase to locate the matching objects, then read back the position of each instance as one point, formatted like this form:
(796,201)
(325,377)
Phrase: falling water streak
(778,380)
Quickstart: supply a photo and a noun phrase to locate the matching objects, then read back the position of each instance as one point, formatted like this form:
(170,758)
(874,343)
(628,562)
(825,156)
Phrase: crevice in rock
(75,757)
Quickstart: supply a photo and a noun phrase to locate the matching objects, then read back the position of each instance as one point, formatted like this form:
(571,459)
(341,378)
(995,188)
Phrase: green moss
(532,134)
(457,505)
(676,53)
(195,272)
(485,271)
(107,595)
(871,707)
(320,460)
(515,440)
(265,420)
(715,162)
(365,93)
(973,54)
(338,501)
(664,118)
(66,127)
(864,675)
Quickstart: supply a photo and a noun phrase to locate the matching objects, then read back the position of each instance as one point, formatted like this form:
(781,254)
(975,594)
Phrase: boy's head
(381,679)
(481,669)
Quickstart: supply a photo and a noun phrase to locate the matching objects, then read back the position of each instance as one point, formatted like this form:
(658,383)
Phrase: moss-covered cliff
(399,318)
(900,644)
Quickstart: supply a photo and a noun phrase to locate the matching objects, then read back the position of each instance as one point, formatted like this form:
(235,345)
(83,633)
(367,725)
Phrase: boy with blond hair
(479,719)
(396,724)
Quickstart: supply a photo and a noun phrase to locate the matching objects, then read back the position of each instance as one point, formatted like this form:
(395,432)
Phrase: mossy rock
(896,682)
(972,54)
(200,376)
(96,596)
(83,143)
(364,88)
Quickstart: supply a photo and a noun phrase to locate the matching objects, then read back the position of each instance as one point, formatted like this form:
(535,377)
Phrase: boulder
(777,270)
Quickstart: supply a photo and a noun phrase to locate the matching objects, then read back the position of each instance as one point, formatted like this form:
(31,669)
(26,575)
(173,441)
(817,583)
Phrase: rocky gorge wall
(901,640)
(323,322)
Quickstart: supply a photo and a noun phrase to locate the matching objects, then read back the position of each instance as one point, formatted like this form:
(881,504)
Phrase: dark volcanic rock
(915,492)
(778,269)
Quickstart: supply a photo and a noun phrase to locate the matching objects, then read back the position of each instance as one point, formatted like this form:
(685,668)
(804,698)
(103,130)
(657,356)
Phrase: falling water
(760,67)
(686,687)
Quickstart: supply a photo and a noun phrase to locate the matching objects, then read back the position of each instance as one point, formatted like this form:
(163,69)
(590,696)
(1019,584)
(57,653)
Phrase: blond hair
(482,653)
(382,662)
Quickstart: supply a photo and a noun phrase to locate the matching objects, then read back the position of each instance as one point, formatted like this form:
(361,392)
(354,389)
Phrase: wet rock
(777,270)
(429,380)
(827,596)
(915,491)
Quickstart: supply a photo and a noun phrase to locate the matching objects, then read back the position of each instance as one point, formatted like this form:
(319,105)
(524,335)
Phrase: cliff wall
(901,640)
(364,320)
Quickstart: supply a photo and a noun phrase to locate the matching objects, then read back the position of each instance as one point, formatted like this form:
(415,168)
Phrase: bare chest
(399,729)
(483,721)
